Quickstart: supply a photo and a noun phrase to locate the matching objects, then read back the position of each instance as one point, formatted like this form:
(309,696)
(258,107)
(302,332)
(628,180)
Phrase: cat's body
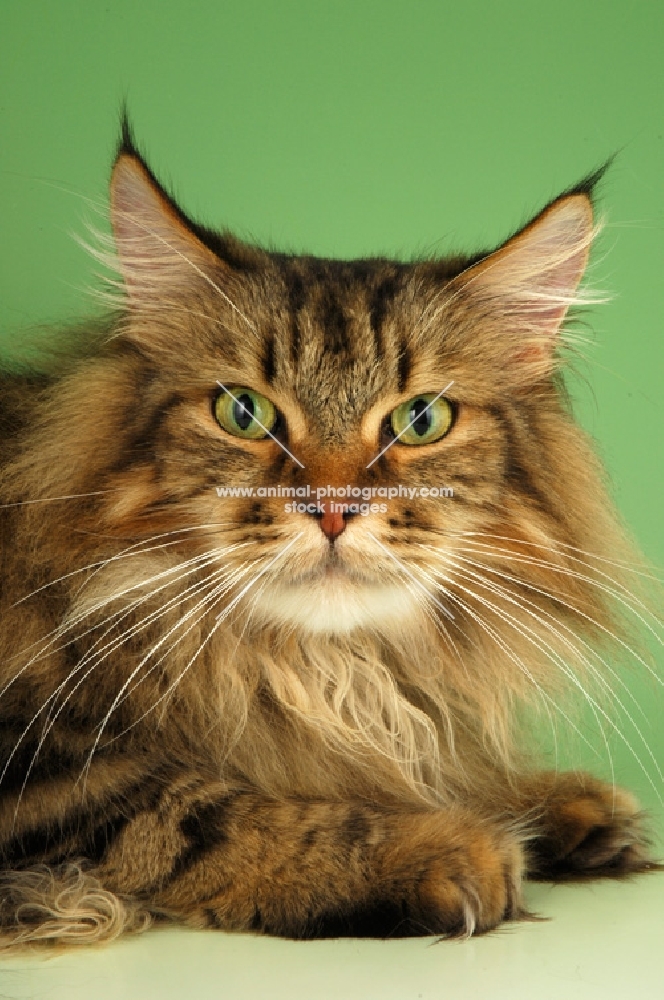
(219,712)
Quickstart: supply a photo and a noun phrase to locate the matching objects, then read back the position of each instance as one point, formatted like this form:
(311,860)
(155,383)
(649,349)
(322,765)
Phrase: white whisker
(573,574)
(110,260)
(68,623)
(219,621)
(404,569)
(128,552)
(90,654)
(526,632)
(221,589)
(553,595)
(511,655)
(70,496)
(527,606)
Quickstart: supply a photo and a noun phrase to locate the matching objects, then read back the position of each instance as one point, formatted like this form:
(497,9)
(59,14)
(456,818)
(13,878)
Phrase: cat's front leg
(319,869)
(583,827)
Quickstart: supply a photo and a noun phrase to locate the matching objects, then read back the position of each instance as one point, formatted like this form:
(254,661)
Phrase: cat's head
(274,373)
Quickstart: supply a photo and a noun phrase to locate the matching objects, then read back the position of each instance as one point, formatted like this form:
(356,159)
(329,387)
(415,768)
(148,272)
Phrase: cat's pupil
(243,411)
(420,415)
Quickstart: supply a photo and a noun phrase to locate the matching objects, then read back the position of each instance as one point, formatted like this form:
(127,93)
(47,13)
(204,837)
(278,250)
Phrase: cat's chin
(337,605)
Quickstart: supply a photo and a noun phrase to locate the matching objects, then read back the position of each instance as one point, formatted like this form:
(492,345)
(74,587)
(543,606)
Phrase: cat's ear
(526,287)
(157,250)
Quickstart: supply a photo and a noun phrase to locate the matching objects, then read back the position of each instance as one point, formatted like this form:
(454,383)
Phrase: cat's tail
(64,905)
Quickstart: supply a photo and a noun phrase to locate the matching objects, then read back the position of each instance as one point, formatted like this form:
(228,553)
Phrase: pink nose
(331,524)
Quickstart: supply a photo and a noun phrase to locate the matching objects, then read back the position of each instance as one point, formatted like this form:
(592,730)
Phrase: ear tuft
(527,286)
(588,185)
(158,251)
(127,142)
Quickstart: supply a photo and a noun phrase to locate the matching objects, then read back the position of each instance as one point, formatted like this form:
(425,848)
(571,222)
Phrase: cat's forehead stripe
(269,358)
(347,304)
(362,310)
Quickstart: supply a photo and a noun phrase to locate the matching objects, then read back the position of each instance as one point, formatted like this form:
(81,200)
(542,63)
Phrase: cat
(306,722)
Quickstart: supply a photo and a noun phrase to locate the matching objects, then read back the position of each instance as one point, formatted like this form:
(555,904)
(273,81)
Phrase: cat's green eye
(245,413)
(422,420)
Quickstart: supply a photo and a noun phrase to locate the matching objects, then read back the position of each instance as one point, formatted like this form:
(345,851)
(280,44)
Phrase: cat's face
(370,375)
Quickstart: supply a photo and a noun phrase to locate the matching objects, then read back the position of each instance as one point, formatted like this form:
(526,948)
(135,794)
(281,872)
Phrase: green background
(348,128)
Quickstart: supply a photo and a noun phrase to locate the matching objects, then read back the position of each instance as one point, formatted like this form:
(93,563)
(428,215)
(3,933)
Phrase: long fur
(155,644)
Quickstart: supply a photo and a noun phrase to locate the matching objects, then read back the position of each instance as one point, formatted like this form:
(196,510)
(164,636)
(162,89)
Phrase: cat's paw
(440,875)
(590,829)
(456,883)
(478,888)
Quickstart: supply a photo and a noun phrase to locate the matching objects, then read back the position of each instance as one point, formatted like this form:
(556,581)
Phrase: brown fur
(251,772)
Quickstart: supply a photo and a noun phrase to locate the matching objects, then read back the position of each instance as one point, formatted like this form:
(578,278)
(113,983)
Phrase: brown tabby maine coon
(230,713)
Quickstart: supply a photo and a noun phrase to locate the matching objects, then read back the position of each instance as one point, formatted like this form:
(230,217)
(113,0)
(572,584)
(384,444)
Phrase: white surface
(603,940)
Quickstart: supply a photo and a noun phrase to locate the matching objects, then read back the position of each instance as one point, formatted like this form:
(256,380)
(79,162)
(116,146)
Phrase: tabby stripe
(268,359)
(296,299)
(519,476)
(334,324)
(52,763)
(205,829)
(404,365)
(213,920)
(356,829)
(142,445)
(379,305)
(82,832)
(103,837)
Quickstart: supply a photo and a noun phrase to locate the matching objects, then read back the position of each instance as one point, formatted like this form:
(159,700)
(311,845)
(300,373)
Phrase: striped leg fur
(299,869)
